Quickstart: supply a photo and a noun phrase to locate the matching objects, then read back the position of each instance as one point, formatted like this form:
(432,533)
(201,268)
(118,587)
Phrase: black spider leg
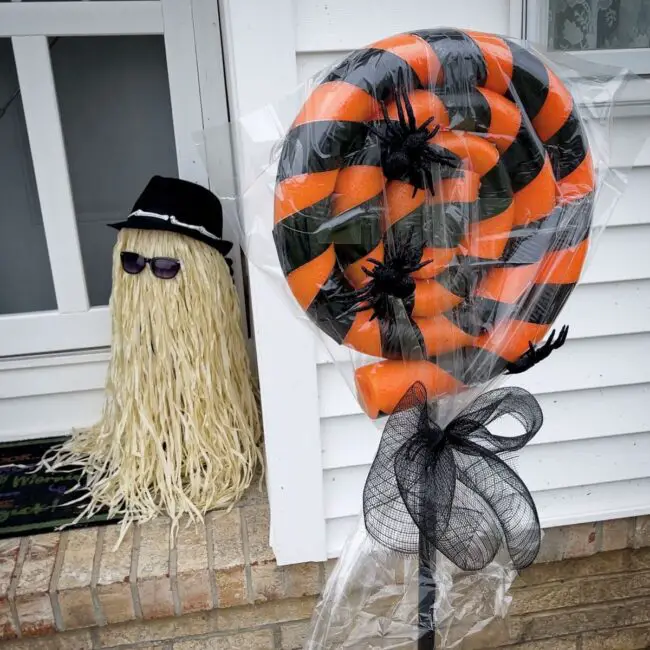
(403,96)
(397,264)
(412,122)
(407,150)
(411,127)
(371,296)
(439,155)
(402,128)
(534,354)
(391,129)
(428,158)
(402,90)
(364,298)
(430,153)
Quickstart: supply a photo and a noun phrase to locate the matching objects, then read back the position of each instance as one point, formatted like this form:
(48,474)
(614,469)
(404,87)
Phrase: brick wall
(221,589)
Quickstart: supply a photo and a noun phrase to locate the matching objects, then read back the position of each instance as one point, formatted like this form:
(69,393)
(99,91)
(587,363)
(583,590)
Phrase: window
(613,32)
(95,98)
(600,25)
(113,97)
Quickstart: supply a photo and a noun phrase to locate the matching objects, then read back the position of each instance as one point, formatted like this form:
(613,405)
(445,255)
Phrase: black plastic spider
(408,153)
(534,355)
(390,278)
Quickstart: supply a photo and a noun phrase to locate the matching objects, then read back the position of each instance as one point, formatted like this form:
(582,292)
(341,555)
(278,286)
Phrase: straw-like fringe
(180,429)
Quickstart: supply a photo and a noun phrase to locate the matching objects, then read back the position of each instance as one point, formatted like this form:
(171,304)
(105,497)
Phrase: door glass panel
(599,24)
(113,94)
(25,276)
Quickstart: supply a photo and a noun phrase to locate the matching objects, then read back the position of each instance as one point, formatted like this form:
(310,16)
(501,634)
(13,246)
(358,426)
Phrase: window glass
(599,24)
(25,276)
(113,95)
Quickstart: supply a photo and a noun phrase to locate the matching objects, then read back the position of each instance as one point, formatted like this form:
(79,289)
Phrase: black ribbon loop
(451,487)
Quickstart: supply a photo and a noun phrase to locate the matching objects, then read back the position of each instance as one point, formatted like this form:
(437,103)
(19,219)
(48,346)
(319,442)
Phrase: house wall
(590,460)
(220,587)
(587,464)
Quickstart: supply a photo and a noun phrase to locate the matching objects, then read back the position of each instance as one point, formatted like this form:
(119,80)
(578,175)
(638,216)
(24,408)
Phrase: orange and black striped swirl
(504,234)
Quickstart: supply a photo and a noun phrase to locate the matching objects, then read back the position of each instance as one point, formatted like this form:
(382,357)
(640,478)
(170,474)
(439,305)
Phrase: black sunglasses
(164,268)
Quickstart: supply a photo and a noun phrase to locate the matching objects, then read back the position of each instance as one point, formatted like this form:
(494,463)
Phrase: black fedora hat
(179,206)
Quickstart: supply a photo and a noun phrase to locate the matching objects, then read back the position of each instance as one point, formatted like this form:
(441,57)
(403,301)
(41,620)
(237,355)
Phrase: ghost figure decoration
(179,432)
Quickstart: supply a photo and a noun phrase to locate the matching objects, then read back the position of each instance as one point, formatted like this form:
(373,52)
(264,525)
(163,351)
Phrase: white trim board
(517,28)
(184,93)
(49,331)
(40,416)
(80,18)
(215,143)
(331,25)
(67,375)
(257,32)
(48,395)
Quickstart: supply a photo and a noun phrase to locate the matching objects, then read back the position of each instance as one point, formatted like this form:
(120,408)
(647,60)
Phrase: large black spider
(389,279)
(534,354)
(407,152)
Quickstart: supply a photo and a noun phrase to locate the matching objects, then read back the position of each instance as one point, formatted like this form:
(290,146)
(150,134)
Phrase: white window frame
(535,26)
(197,92)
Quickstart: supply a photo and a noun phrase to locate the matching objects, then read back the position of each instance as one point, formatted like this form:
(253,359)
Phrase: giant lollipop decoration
(433,205)
(432,208)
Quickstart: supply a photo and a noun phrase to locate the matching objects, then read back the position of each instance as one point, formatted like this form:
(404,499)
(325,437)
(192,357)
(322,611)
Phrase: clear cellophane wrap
(435,199)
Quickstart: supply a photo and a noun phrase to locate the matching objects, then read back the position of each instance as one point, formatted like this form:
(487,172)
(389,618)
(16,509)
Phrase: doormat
(36,502)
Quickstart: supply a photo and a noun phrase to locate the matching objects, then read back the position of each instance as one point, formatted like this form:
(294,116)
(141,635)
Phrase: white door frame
(197,92)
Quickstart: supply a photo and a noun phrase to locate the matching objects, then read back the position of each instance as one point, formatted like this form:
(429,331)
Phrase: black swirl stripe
(320,146)
(298,238)
(461,59)
(567,149)
(530,82)
(375,71)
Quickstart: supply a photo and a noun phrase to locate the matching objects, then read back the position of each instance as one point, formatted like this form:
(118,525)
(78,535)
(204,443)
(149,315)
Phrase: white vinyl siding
(50,395)
(589,462)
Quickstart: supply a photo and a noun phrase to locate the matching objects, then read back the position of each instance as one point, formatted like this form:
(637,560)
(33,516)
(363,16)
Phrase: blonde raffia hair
(180,429)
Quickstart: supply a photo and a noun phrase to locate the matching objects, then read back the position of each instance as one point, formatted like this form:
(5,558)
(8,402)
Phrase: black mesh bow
(450,487)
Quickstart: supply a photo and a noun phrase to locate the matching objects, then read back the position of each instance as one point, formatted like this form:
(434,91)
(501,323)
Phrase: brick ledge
(72,580)
(75,579)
